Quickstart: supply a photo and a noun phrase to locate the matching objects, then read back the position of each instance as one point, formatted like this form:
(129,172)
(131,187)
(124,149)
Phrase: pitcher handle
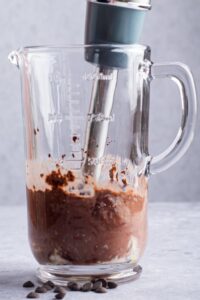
(181,75)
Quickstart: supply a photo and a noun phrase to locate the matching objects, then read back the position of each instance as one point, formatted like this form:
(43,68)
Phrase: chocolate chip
(47,287)
(112,285)
(60,296)
(104,282)
(73,286)
(59,290)
(75,139)
(124,182)
(70,283)
(50,283)
(87,287)
(28,284)
(32,295)
(137,269)
(101,290)
(97,285)
(41,290)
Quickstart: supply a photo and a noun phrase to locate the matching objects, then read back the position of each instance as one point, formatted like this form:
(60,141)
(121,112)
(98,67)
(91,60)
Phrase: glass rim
(57,48)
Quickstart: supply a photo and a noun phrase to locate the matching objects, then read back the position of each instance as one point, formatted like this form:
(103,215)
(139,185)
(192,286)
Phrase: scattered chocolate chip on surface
(50,283)
(70,283)
(47,287)
(112,285)
(41,290)
(59,290)
(28,284)
(60,296)
(73,286)
(97,285)
(104,282)
(137,269)
(87,287)
(93,280)
(101,290)
(32,295)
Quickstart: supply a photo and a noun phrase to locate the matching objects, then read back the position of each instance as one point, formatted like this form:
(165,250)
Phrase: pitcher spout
(14,58)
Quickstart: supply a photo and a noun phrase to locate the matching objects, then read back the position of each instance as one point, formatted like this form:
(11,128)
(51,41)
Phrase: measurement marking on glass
(74,115)
(56,117)
(67,96)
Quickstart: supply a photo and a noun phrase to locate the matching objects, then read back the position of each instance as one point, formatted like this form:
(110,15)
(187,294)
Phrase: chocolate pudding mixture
(76,226)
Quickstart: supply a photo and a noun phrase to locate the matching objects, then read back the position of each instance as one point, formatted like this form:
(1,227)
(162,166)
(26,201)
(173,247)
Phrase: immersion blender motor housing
(113,22)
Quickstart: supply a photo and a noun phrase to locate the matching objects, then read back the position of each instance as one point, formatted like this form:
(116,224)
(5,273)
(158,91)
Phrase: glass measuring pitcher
(86,116)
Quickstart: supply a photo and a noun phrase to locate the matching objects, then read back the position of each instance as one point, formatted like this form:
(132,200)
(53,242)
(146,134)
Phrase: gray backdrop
(172,30)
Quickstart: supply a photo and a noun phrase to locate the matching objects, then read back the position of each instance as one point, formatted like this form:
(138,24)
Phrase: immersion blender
(108,22)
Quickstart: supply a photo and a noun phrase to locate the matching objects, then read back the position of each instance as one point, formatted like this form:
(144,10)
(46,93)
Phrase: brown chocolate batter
(67,228)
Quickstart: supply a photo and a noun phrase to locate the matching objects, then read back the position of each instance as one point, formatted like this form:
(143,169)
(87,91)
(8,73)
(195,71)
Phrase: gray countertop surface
(171,264)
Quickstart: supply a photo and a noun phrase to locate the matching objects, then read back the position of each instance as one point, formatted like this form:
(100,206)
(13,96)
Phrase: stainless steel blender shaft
(99,117)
